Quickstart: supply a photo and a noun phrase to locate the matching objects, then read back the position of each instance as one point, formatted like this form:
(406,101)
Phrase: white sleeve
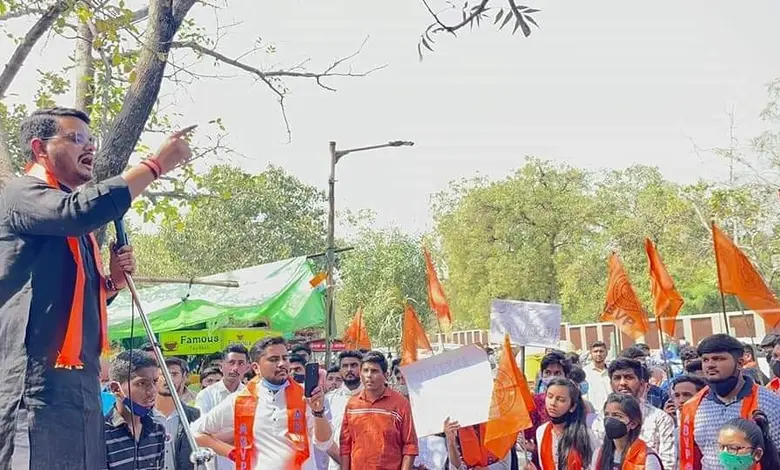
(652,462)
(219,420)
(202,401)
(310,425)
(667,434)
(539,435)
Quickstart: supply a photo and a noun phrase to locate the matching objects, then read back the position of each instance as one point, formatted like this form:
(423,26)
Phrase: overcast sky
(600,85)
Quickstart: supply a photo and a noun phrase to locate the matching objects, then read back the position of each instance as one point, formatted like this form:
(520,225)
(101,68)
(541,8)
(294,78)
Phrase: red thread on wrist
(156,162)
(155,171)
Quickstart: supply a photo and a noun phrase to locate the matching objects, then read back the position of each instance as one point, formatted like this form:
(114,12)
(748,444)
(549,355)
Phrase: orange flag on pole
(667,301)
(510,406)
(436,298)
(737,276)
(622,306)
(356,334)
(413,337)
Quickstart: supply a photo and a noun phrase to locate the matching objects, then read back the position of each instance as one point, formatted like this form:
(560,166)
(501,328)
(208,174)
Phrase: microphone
(121,234)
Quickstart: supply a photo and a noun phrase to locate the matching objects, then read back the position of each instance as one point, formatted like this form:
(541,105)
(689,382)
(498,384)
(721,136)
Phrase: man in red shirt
(377,431)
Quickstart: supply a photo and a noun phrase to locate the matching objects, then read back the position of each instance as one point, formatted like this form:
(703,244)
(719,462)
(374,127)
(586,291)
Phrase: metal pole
(182,280)
(330,254)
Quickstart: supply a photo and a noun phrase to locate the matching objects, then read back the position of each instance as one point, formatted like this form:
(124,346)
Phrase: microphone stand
(200,456)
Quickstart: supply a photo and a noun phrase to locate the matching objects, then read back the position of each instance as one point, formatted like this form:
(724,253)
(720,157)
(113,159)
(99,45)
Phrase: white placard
(456,384)
(528,323)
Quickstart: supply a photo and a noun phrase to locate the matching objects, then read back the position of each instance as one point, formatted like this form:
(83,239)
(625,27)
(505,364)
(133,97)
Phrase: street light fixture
(335,156)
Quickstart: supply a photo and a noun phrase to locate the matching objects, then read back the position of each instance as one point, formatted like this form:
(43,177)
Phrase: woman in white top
(622,448)
(565,442)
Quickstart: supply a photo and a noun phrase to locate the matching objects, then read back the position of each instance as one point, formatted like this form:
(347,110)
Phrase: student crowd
(720,413)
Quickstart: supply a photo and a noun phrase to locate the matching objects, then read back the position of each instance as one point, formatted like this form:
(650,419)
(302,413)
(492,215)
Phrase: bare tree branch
(22,13)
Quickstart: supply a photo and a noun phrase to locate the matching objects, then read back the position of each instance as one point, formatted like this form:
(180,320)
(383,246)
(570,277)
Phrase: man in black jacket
(177,448)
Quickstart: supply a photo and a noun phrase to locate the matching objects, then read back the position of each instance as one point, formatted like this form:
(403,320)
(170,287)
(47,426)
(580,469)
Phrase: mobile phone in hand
(312,378)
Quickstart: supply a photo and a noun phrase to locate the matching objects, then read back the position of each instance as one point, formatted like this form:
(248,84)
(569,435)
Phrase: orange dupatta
(244,417)
(473,449)
(69,356)
(546,459)
(690,455)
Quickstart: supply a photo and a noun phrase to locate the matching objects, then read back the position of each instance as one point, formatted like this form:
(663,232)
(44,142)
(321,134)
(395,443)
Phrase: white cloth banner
(528,323)
(457,384)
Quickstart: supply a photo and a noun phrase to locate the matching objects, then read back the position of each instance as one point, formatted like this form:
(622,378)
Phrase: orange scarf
(244,416)
(774,385)
(690,454)
(574,461)
(472,447)
(69,356)
(635,458)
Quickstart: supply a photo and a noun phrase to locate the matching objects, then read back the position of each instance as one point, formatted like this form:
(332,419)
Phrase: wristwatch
(110,286)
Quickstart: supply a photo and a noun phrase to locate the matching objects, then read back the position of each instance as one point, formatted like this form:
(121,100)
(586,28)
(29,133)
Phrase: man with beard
(630,377)
(177,448)
(336,401)
(284,424)
(234,366)
(729,395)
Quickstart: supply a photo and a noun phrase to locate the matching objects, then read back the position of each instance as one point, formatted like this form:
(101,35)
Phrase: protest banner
(528,323)
(460,376)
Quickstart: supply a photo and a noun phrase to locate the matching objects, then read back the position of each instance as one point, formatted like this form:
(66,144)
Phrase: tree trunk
(165,17)
(85,68)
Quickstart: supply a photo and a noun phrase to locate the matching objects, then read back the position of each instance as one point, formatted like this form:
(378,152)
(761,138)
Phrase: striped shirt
(124,453)
(378,433)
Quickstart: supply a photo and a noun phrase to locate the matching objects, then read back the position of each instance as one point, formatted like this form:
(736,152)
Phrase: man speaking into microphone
(53,288)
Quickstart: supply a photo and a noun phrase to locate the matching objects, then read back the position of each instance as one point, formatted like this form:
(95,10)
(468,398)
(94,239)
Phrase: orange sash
(546,453)
(774,385)
(635,458)
(690,454)
(244,416)
(69,356)
(472,447)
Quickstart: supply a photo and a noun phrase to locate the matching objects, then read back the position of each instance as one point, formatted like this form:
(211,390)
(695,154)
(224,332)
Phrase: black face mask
(300,378)
(725,386)
(614,428)
(775,366)
(558,419)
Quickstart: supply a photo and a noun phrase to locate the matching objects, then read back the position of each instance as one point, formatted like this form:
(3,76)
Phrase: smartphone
(312,378)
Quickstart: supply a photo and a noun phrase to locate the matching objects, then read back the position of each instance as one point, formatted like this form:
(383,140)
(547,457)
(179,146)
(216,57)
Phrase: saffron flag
(317,279)
(737,276)
(356,334)
(510,406)
(413,337)
(622,306)
(667,302)
(436,298)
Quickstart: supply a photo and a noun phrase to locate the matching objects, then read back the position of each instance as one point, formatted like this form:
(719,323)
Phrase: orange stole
(69,355)
(574,461)
(774,385)
(244,418)
(472,448)
(690,455)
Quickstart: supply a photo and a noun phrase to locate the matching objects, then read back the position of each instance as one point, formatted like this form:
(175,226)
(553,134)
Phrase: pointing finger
(183,132)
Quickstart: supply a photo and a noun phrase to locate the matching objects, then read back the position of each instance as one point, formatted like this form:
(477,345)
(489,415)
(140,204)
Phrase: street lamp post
(335,156)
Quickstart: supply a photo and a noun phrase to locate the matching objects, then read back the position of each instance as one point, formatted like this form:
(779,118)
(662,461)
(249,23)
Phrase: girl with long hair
(564,442)
(622,448)
(746,444)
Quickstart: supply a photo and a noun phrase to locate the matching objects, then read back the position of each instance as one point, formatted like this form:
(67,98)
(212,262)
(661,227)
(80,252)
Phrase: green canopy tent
(277,293)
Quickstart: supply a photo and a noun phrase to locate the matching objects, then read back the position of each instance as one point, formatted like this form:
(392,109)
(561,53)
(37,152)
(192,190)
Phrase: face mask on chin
(727,385)
(135,408)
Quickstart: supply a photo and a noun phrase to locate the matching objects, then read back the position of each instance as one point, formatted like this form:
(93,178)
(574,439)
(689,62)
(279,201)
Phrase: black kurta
(37,277)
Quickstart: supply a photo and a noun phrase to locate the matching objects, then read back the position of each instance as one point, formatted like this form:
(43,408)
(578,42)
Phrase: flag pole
(663,349)
(720,283)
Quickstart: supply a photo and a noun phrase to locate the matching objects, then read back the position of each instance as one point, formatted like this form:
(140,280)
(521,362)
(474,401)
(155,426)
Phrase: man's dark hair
(300,347)
(237,349)
(297,359)
(698,382)
(126,365)
(42,123)
(577,375)
(625,363)
(597,344)
(634,352)
(693,366)
(259,347)
(746,348)
(769,341)
(147,347)
(349,353)
(573,358)
(177,361)
(210,371)
(375,357)
(644,347)
(334,370)
(721,343)
(249,375)
(688,353)
(556,357)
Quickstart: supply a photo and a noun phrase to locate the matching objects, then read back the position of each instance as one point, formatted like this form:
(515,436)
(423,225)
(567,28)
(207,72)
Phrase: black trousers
(65,439)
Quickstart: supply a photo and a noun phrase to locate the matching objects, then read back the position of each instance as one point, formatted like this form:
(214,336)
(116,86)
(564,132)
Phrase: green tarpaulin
(277,293)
